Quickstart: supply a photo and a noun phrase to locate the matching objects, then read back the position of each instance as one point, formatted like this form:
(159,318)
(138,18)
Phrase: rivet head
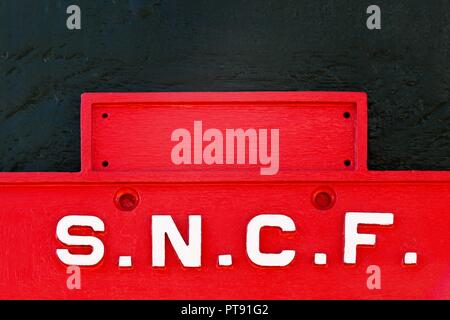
(126,199)
(323,198)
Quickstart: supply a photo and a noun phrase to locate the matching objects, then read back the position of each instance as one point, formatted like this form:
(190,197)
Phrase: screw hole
(324,198)
(347,163)
(127,202)
(105,163)
(105,115)
(347,115)
(126,199)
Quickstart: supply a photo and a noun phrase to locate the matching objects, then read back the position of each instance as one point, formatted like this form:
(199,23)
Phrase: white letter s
(62,232)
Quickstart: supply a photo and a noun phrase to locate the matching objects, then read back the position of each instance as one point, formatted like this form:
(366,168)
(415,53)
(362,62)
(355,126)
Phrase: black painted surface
(139,45)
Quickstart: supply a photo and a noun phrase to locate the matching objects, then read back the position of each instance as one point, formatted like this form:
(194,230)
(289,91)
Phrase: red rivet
(323,198)
(126,199)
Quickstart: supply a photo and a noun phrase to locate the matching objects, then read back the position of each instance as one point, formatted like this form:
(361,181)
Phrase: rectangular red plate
(293,209)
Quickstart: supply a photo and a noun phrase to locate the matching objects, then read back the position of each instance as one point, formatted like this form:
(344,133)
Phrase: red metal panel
(315,140)
(314,136)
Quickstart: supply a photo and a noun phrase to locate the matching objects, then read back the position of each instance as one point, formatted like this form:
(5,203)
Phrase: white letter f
(353,238)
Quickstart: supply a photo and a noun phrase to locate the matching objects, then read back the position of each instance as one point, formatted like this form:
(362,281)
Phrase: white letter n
(189,254)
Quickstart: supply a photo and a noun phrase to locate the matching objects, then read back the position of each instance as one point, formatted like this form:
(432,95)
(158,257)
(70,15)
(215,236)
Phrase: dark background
(145,45)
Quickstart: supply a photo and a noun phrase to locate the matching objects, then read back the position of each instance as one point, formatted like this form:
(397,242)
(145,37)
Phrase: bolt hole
(105,164)
(126,199)
(347,115)
(324,198)
(105,115)
(347,163)
(127,202)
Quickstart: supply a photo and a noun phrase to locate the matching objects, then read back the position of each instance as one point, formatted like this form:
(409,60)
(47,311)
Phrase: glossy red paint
(127,176)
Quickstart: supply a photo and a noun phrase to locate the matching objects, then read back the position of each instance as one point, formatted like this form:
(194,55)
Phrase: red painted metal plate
(298,230)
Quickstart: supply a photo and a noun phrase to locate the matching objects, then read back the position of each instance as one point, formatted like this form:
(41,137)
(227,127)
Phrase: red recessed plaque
(249,195)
